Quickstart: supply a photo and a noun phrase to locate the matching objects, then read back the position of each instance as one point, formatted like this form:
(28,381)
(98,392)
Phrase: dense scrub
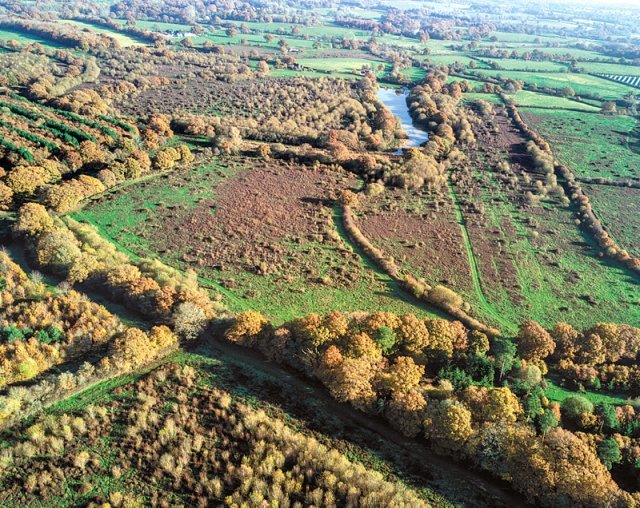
(168,440)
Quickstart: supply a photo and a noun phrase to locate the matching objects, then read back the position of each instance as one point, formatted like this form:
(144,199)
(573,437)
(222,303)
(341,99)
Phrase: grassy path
(473,265)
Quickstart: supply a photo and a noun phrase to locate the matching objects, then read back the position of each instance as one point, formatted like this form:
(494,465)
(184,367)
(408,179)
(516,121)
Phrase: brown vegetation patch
(262,219)
(248,97)
(426,239)
(505,137)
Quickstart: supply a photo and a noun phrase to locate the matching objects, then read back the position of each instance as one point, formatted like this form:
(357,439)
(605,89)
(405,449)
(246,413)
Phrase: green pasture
(339,65)
(580,83)
(516,64)
(557,267)
(26,38)
(556,393)
(610,68)
(590,144)
(527,98)
(617,208)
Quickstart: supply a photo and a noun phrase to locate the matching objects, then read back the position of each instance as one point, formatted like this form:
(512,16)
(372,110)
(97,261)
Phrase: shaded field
(557,393)
(26,38)
(618,209)
(124,39)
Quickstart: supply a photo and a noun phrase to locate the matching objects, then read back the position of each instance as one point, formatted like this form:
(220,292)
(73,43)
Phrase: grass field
(557,393)
(527,98)
(451,58)
(610,68)
(515,64)
(551,268)
(617,208)
(340,65)
(591,145)
(581,83)
(124,39)
(25,38)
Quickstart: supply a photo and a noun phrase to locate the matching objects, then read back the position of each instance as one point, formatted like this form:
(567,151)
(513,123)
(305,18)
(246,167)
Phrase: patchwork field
(271,254)
(532,258)
(263,231)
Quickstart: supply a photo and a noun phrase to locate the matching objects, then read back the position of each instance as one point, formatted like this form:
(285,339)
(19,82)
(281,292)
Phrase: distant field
(475,84)
(26,38)
(610,68)
(535,99)
(124,39)
(289,73)
(448,59)
(340,64)
(414,73)
(581,83)
(159,26)
(516,64)
(517,37)
(557,393)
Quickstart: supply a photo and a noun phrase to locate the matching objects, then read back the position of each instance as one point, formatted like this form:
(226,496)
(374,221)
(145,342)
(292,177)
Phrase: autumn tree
(406,412)
(33,219)
(6,196)
(246,328)
(534,342)
(448,425)
(402,376)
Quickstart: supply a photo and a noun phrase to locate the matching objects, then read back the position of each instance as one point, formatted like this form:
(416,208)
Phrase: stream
(397,104)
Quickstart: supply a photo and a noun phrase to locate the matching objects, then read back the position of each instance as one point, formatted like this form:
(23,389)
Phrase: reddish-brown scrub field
(264,230)
(421,234)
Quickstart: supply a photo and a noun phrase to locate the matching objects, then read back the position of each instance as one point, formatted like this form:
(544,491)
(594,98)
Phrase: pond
(397,104)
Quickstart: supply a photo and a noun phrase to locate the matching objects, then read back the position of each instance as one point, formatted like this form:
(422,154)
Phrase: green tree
(573,407)
(547,421)
(386,339)
(607,414)
(504,352)
(609,452)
